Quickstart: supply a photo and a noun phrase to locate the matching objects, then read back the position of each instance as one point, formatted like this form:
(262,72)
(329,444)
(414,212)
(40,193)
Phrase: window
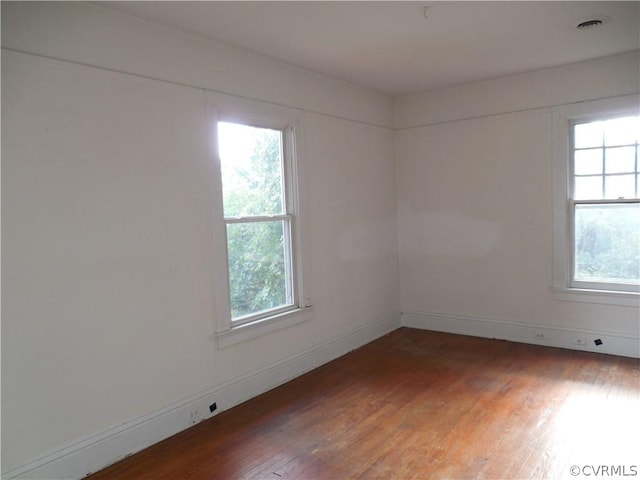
(258,218)
(605,203)
(257,267)
(597,217)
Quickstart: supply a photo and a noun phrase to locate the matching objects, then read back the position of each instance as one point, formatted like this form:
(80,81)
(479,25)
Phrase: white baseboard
(107,447)
(613,343)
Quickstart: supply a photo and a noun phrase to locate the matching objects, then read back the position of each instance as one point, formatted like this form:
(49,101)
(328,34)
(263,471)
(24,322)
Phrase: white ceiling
(391,47)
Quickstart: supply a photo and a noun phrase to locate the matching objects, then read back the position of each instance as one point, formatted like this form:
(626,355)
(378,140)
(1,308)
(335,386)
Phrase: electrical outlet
(193,416)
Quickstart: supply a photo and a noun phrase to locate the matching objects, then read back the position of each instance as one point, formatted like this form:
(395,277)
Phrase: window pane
(621,131)
(620,160)
(620,186)
(258,262)
(588,162)
(607,243)
(588,135)
(251,162)
(588,188)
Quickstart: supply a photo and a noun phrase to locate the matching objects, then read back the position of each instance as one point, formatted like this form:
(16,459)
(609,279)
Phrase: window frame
(224,108)
(564,286)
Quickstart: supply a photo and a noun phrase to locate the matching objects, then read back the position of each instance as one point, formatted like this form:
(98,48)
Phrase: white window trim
(226,108)
(562,116)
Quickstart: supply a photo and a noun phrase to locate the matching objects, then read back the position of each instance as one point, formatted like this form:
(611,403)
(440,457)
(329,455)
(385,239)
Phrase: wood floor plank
(417,404)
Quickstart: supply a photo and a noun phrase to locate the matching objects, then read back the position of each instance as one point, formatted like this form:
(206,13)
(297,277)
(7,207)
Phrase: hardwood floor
(425,405)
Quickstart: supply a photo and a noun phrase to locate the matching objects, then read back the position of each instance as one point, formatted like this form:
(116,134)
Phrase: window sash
(291,276)
(592,285)
(604,149)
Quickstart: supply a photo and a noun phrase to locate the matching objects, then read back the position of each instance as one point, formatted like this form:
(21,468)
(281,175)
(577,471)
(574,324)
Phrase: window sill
(608,297)
(248,331)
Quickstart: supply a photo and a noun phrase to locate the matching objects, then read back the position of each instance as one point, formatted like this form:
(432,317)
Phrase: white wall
(107,291)
(475,208)
(601,78)
(93,35)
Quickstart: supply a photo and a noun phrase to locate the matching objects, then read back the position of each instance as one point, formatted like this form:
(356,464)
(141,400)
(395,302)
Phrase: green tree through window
(608,243)
(258,226)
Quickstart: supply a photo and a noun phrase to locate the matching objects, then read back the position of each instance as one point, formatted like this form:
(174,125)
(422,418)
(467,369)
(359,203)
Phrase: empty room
(320,240)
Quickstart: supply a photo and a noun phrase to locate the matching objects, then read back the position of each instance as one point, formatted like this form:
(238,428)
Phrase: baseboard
(612,343)
(107,447)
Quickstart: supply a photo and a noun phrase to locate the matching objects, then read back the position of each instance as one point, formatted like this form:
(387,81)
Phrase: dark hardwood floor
(426,405)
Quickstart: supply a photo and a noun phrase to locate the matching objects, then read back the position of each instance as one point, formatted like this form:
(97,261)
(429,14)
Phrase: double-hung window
(597,216)
(605,204)
(257,245)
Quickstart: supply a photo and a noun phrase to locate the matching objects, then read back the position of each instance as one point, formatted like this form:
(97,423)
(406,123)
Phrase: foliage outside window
(605,203)
(258,219)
